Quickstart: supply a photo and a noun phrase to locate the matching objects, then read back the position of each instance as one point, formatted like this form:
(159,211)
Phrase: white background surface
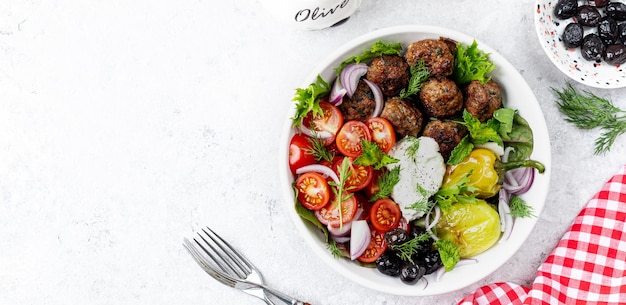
(125,125)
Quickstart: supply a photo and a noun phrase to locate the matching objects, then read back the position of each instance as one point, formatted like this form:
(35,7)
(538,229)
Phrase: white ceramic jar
(311,14)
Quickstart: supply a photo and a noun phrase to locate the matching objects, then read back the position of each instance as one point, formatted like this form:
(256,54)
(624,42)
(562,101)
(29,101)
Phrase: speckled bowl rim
(549,30)
(517,94)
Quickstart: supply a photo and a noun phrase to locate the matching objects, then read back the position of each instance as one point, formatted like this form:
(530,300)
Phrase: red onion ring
(350,76)
(429,226)
(318,168)
(506,220)
(360,237)
(378,98)
(344,230)
(337,93)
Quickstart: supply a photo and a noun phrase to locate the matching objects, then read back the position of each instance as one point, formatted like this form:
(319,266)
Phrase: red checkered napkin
(588,265)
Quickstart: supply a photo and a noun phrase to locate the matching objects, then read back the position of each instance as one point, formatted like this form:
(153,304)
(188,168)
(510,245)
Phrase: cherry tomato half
(349,138)
(375,248)
(383,133)
(329,214)
(299,152)
(385,215)
(360,177)
(313,190)
(330,121)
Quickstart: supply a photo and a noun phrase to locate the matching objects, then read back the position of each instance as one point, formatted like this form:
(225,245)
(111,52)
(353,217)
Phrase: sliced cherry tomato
(313,190)
(375,248)
(329,214)
(385,215)
(360,177)
(383,133)
(299,152)
(330,121)
(349,138)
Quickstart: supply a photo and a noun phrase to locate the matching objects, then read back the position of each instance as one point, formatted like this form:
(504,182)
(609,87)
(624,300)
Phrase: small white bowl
(517,94)
(570,61)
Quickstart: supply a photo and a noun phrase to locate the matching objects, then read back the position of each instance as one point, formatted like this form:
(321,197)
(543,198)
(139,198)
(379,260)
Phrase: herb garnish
(341,193)
(479,133)
(519,208)
(386,182)
(457,192)
(449,253)
(588,111)
(307,100)
(319,150)
(419,74)
(410,247)
(373,155)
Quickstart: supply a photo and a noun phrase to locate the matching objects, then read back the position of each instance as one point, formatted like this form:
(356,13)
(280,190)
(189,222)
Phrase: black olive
(592,48)
(616,10)
(608,31)
(565,9)
(431,261)
(417,231)
(588,15)
(573,35)
(396,237)
(425,245)
(389,264)
(621,32)
(411,273)
(615,54)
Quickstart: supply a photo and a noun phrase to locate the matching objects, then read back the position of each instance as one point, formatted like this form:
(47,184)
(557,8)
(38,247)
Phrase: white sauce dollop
(421,173)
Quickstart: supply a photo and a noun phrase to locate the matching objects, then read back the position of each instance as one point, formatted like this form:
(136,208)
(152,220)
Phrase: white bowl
(517,94)
(570,61)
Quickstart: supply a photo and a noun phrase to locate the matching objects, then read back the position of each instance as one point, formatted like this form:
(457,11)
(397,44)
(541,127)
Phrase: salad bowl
(516,94)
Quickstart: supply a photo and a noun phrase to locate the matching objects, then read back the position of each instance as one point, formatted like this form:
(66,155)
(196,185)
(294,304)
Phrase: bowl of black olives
(585,39)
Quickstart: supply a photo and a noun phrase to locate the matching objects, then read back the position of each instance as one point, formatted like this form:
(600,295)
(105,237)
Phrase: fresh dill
(319,150)
(386,182)
(519,208)
(410,247)
(419,74)
(588,111)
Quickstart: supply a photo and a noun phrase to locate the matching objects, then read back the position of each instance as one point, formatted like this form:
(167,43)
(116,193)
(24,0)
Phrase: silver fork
(221,261)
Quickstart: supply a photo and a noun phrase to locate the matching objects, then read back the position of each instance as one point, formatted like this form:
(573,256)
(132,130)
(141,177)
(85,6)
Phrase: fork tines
(223,254)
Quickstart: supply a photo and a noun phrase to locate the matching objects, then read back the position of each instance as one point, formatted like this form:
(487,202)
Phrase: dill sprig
(519,208)
(319,150)
(410,247)
(588,111)
(419,75)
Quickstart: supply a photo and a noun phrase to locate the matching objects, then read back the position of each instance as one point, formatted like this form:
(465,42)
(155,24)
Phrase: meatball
(447,134)
(436,54)
(441,97)
(481,100)
(361,105)
(390,72)
(404,117)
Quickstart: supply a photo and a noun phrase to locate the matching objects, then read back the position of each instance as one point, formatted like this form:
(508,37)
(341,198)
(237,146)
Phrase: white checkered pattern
(588,265)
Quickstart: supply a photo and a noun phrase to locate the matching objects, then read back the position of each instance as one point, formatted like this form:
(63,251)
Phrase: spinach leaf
(520,139)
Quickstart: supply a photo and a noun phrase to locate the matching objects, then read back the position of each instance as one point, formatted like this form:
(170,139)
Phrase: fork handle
(283,297)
